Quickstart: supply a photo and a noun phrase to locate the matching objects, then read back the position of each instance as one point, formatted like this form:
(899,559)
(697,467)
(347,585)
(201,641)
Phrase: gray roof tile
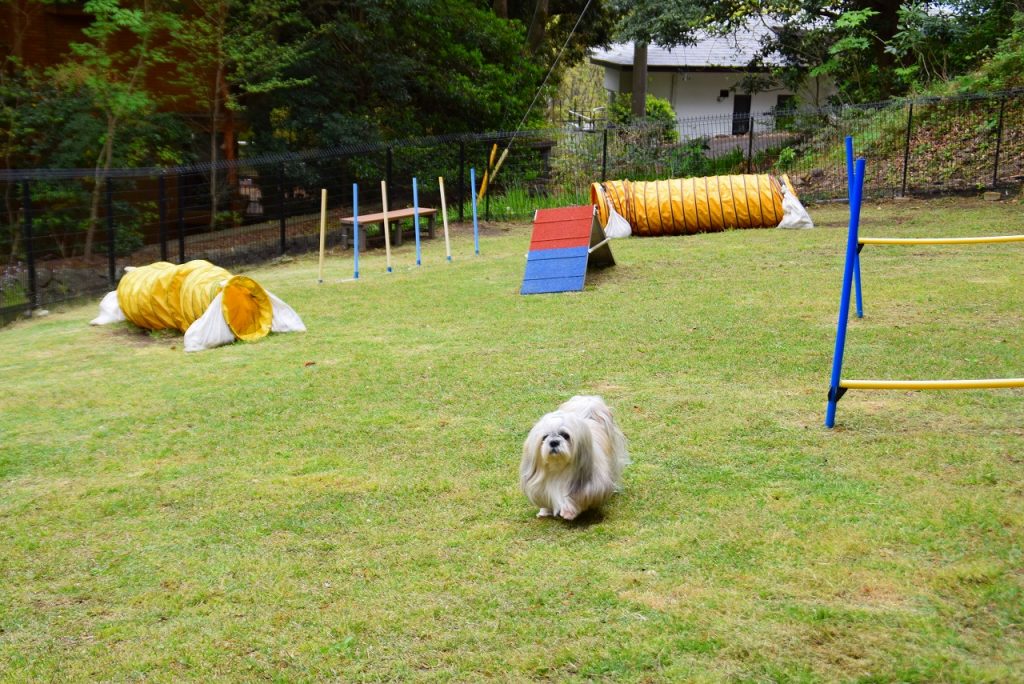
(730,51)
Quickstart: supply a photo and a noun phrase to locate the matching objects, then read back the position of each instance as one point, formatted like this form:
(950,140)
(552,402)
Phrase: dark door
(740,114)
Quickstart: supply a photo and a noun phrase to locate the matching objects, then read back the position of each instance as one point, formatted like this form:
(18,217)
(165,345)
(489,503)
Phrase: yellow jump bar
(939,241)
(932,384)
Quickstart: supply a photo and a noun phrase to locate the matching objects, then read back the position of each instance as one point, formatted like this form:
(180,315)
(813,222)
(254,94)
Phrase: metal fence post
(30,257)
(906,149)
(604,155)
(750,144)
(280,206)
(181,219)
(999,142)
(462,180)
(162,207)
(111,230)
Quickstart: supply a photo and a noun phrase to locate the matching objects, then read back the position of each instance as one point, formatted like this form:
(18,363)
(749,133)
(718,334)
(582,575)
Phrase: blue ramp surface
(555,270)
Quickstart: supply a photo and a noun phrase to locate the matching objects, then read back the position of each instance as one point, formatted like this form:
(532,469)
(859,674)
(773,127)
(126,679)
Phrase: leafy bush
(787,157)
(658,113)
(1005,69)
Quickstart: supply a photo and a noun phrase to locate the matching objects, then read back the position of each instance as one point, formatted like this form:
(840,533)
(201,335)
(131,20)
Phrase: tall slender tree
(234,48)
(111,66)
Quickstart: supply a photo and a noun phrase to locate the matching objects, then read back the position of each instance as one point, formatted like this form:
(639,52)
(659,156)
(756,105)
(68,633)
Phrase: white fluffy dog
(573,458)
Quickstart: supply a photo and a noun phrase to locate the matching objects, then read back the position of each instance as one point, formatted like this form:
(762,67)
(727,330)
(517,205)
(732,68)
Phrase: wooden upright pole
(323,233)
(444,218)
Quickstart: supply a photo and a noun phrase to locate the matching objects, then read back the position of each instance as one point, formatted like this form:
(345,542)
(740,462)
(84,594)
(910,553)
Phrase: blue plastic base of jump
(555,270)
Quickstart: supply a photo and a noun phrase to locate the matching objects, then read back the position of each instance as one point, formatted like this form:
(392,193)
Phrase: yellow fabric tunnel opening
(247,308)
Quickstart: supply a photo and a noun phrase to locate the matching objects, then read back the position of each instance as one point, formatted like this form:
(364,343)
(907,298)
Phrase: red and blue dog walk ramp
(565,242)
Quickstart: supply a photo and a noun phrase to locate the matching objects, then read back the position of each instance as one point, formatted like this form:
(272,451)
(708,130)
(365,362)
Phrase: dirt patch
(132,336)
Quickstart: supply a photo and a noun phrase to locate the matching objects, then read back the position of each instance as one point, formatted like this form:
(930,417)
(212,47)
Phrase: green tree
(581,96)
(380,71)
(234,48)
(658,115)
(936,43)
(49,126)
(1004,70)
(115,77)
(874,49)
(548,24)
(666,22)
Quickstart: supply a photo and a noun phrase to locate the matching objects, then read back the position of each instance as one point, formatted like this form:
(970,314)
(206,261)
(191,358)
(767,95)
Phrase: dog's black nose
(554,442)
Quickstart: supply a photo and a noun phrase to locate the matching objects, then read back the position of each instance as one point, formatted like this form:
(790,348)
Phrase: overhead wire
(489,175)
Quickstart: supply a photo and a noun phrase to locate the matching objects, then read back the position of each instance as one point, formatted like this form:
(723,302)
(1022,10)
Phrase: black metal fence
(66,233)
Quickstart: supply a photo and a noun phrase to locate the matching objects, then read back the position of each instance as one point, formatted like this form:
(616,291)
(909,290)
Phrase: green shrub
(658,113)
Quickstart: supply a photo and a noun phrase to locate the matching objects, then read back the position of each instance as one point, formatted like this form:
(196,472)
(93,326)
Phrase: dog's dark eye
(564,435)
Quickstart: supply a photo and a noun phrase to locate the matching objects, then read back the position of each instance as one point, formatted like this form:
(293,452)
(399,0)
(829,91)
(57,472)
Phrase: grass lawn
(343,504)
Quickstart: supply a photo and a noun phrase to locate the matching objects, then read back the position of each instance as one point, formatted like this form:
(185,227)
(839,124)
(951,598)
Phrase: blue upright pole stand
(355,228)
(849,194)
(476,225)
(416,219)
(834,391)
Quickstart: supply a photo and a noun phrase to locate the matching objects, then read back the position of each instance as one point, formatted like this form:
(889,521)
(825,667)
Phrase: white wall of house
(696,95)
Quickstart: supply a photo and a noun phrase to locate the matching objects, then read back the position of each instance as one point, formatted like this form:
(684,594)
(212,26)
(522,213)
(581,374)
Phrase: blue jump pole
(857,187)
(476,225)
(416,220)
(849,194)
(355,229)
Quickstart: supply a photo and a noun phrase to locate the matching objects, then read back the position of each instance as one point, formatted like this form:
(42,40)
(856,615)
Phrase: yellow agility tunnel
(684,206)
(162,295)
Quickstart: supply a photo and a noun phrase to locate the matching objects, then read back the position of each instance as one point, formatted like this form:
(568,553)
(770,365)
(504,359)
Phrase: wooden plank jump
(394,217)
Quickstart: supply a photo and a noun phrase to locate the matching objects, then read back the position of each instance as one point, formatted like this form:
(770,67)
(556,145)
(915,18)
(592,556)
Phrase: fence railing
(63,234)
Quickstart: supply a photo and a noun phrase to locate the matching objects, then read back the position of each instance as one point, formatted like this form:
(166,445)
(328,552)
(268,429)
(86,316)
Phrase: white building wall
(696,95)
(698,103)
(614,83)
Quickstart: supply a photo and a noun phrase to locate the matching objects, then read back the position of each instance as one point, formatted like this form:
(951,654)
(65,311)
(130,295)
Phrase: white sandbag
(794,215)
(285,319)
(618,226)
(110,310)
(209,330)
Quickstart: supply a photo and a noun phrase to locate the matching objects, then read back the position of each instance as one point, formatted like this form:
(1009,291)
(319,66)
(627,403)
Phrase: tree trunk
(538,27)
(639,108)
(106,158)
(10,211)
(17,28)
(214,129)
(229,147)
(12,220)
(500,8)
(102,167)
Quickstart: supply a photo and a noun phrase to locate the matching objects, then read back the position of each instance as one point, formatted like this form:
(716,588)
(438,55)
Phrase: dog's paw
(568,511)
(543,513)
